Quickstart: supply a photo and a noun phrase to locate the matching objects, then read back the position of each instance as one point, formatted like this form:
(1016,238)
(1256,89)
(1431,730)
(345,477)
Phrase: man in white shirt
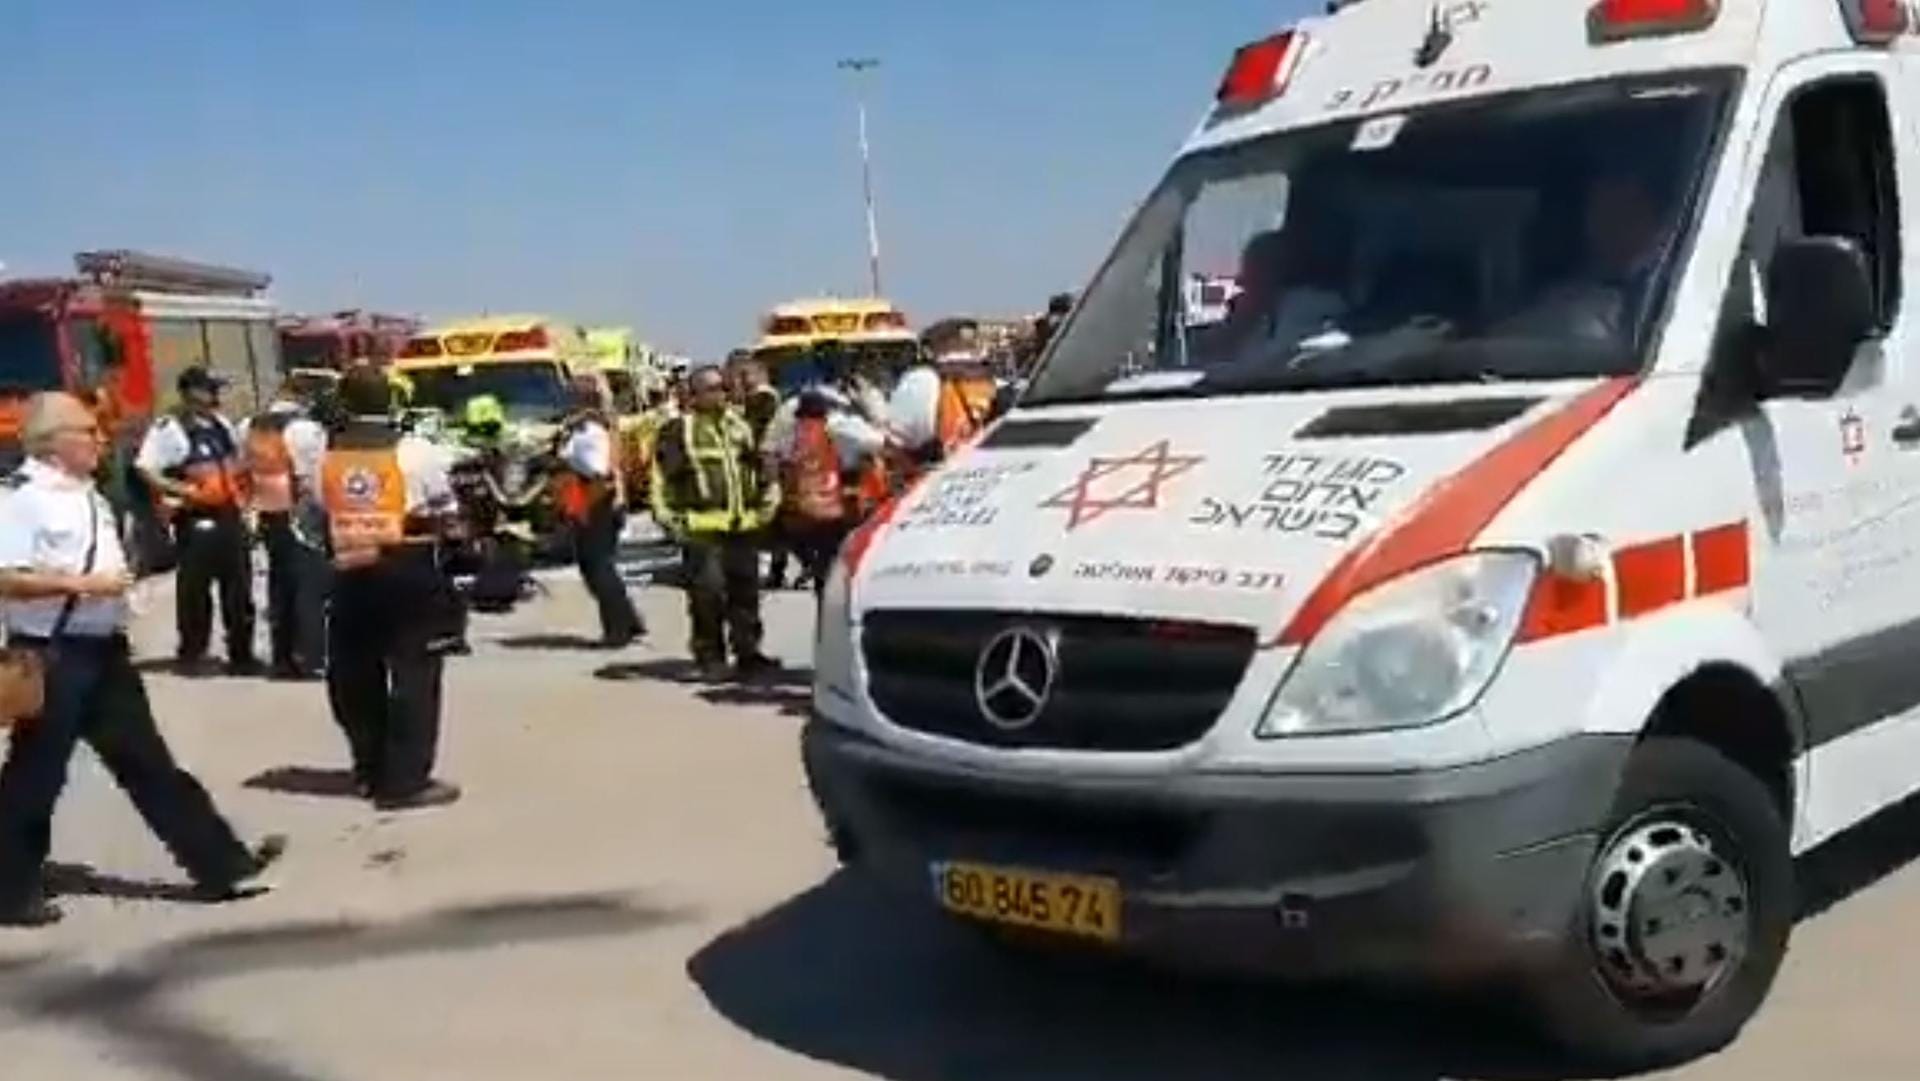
(388,501)
(64,581)
(592,500)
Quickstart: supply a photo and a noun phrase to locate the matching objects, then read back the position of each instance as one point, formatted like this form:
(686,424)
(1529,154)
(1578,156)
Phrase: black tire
(1574,1000)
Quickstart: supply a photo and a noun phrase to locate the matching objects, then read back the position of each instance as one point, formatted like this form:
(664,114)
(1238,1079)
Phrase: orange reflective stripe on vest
(269,469)
(211,485)
(814,489)
(953,417)
(365,494)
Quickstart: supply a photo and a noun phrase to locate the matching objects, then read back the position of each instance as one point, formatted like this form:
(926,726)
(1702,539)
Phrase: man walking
(710,491)
(388,501)
(589,495)
(64,578)
(282,452)
(190,459)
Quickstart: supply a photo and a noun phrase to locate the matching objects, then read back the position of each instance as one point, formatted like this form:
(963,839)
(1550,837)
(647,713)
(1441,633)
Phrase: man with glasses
(64,578)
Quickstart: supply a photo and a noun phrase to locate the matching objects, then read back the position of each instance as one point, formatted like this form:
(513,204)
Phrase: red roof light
(1624,20)
(1260,71)
(1877,22)
(521,341)
(421,347)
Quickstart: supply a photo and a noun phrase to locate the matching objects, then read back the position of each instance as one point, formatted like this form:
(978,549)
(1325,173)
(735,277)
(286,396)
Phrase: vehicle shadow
(1859,858)
(848,975)
(305,781)
(130,1008)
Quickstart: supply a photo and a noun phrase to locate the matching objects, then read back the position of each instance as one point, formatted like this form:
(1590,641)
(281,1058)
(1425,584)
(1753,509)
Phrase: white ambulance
(1518,577)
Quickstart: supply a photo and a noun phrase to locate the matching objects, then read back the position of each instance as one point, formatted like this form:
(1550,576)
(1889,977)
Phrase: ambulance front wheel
(1684,917)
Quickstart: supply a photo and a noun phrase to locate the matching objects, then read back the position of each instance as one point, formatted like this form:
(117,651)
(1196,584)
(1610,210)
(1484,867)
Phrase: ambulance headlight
(1412,651)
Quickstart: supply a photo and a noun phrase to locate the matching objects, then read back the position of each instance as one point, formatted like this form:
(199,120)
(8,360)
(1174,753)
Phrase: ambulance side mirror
(1820,310)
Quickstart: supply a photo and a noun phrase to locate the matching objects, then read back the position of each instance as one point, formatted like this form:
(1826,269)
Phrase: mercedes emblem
(1015,677)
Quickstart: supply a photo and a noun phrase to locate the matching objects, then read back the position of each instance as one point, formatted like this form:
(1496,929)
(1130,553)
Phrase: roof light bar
(1877,22)
(1260,71)
(1611,21)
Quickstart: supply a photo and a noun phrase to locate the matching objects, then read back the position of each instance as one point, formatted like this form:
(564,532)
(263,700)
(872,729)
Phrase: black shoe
(294,672)
(712,671)
(756,666)
(432,794)
(244,667)
(615,642)
(37,913)
(246,884)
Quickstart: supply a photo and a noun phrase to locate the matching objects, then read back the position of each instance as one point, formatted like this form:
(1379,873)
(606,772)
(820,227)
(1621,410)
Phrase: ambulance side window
(1829,171)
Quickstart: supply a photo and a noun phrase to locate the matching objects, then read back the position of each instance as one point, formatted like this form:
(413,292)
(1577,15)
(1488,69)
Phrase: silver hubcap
(1671,915)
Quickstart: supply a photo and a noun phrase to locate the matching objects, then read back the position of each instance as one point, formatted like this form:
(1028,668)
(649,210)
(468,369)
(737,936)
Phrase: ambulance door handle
(1907,432)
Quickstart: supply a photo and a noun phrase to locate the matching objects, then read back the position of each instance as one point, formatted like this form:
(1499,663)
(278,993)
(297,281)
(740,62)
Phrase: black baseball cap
(198,377)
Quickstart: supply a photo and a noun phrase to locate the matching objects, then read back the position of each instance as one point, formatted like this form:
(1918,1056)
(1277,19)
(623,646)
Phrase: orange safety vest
(365,494)
(208,473)
(954,418)
(814,489)
(269,466)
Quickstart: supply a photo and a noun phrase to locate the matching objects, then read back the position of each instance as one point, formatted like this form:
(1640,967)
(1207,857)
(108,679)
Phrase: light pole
(859,68)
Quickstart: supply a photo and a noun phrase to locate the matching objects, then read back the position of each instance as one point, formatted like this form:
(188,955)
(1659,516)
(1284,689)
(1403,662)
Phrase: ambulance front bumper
(1435,876)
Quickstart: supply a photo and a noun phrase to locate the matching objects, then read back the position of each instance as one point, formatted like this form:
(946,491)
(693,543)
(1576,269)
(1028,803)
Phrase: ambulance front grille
(1120,685)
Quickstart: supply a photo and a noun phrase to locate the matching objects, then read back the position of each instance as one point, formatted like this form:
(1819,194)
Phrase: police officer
(64,577)
(191,459)
(589,490)
(710,491)
(281,451)
(388,501)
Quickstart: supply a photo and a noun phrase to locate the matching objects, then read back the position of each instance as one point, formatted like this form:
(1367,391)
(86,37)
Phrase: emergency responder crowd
(356,515)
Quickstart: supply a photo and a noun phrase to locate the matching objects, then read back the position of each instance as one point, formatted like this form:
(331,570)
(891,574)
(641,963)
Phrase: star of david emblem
(360,484)
(1133,482)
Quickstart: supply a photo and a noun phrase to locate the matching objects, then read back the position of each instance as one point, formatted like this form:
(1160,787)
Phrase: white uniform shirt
(588,450)
(425,465)
(855,438)
(166,445)
(913,412)
(47,524)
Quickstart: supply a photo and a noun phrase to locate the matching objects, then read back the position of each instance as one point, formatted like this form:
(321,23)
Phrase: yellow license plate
(1066,904)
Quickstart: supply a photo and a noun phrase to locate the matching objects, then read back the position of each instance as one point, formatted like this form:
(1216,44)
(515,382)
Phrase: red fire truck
(120,331)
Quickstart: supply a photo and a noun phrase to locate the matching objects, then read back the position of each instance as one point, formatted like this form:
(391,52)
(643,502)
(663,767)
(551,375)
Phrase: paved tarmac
(637,887)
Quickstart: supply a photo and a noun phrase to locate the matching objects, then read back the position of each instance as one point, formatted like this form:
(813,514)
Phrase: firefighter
(710,490)
(191,459)
(281,451)
(388,502)
(588,490)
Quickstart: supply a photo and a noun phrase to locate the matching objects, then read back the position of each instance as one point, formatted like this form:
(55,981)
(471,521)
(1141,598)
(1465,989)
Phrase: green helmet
(484,411)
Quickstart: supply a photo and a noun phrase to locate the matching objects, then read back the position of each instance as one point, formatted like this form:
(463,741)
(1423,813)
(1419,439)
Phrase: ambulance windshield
(1531,236)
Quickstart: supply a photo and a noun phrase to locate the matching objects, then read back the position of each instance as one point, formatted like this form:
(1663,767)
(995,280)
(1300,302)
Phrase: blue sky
(677,166)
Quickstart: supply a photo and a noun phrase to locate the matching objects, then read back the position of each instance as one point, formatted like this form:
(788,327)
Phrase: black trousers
(723,595)
(596,543)
(296,595)
(214,554)
(384,669)
(95,694)
(817,544)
